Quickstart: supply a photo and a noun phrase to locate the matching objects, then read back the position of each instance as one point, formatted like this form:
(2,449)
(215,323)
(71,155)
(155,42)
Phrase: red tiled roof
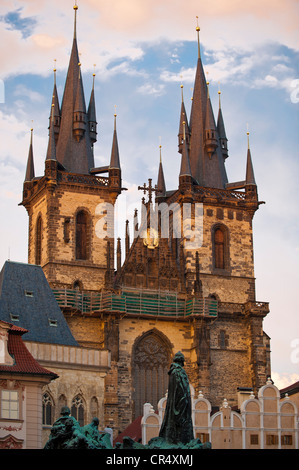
(24,361)
(133,431)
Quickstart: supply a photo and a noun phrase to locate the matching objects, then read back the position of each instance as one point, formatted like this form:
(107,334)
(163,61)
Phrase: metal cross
(150,189)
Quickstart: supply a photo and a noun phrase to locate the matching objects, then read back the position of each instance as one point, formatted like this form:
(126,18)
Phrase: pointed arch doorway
(150,364)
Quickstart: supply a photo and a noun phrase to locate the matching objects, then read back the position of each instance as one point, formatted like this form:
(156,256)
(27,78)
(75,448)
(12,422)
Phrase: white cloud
(284,380)
(150,89)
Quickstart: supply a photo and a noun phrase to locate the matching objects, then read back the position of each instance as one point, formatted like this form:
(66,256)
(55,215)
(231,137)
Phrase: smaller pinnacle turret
(91,116)
(221,131)
(185,162)
(183,119)
(30,174)
(161,186)
(51,152)
(114,161)
(250,179)
(210,128)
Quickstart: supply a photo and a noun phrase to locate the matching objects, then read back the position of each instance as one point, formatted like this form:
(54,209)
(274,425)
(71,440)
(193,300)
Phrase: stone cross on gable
(148,188)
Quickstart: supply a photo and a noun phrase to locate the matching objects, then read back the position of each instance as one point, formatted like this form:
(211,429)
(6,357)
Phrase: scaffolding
(137,302)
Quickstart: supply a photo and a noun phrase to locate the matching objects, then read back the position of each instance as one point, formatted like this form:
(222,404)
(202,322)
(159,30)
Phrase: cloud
(38,32)
(150,89)
(284,380)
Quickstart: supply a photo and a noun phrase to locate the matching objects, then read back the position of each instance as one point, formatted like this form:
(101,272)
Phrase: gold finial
(191,94)
(75,19)
(208,83)
(248,137)
(219,93)
(198,29)
(115,106)
(160,147)
(54,70)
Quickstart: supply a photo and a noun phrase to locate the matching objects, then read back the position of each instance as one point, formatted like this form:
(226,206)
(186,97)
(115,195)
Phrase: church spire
(74,148)
(51,152)
(221,130)
(206,160)
(161,186)
(210,128)
(30,174)
(250,179)
(79,123)
(185,163)
(114,161)
(183,119)
(56,112)
(91,113)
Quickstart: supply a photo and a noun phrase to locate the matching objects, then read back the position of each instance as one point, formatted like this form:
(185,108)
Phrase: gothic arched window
(151,360)
(77,409)
(82,233)
(94,407)
(220,247)
(38,241)
(48,410)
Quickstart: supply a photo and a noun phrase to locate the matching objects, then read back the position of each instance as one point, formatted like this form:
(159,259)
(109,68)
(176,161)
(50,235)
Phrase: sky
(141,52)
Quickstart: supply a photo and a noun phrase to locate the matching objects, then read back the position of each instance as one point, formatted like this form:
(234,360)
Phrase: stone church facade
(169,294)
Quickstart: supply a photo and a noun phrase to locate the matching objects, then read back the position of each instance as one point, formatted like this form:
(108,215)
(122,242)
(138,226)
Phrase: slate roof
(24,362)
(27,301)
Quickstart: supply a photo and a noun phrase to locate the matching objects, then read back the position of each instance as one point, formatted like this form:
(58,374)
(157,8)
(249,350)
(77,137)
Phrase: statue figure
(66,433)
(177,423)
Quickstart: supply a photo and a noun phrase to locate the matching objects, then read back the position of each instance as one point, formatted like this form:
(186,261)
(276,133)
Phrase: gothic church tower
(63,204)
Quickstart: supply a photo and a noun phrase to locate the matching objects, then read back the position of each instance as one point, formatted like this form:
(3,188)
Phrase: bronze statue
(177,423)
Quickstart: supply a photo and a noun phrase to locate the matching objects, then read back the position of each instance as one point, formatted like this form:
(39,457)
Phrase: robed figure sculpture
(177,423)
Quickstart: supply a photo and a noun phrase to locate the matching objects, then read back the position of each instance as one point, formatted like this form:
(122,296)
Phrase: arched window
(77,409)
(220,247)
(94,407)
(151,361)
(82,235)
(38,241)
(48,410)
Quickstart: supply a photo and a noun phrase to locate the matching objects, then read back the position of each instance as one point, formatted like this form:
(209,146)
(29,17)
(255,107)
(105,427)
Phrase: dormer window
(14,317)
(28,293)
(52,322)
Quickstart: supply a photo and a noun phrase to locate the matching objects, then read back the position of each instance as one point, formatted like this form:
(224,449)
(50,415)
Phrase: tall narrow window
(82,235)
(38,241)
(77,409)
(219,248)
(48,409)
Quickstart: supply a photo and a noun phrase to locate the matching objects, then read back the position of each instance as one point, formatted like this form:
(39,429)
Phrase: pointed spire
(206,171)
(79,124)
(161,180)
(183,119)
(250,179)
(114,161)
(51,152)
(30,174)
(91,113)
(185,163)
(221,130)
(55,102)
(74,149)
(210,127)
